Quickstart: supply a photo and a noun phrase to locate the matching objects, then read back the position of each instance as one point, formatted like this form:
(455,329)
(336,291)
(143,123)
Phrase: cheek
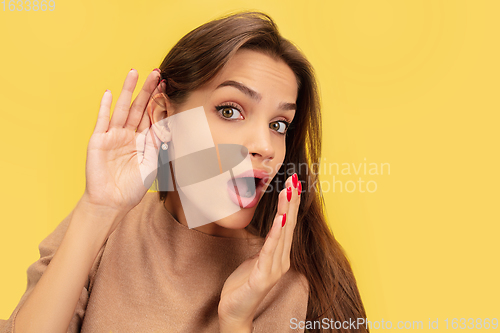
(218,131)
(280,148)
(222,131)
(279,157)
(215,127)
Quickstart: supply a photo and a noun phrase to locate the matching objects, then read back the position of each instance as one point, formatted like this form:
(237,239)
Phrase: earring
(164,146)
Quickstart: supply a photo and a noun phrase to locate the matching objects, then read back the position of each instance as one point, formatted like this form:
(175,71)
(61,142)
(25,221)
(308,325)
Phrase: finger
(278,254)
(102,122)
(148,114)
(291,223)
(281,211)
(283,202)
(145,122)
(122,107)
(145,141)
(266,254)
(139,104)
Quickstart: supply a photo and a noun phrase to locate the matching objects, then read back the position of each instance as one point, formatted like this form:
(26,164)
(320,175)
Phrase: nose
(259,143)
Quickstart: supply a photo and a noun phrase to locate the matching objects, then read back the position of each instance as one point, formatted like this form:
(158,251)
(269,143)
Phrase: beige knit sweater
(156,275)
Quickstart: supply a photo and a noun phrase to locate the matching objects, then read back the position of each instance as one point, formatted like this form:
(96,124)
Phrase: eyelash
(231,105)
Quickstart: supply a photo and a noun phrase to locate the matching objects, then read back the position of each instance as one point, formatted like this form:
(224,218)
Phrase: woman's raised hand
(117,155)
(248,285)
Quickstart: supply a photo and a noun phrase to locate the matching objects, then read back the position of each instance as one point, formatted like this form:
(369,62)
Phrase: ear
(159,109)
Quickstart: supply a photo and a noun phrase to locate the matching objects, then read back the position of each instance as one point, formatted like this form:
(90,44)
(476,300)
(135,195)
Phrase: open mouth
(246,186)
(245,191)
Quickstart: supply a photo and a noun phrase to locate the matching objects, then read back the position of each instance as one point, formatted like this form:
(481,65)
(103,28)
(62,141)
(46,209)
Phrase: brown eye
(227,112)
(279,126)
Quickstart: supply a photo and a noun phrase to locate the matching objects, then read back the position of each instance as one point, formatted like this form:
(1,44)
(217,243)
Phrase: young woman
(125,260)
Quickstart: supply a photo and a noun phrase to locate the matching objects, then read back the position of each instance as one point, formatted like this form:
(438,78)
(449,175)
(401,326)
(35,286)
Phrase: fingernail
(132,70)
(156,69)
(283,220)
(295,180)
(300,188)
(289,194)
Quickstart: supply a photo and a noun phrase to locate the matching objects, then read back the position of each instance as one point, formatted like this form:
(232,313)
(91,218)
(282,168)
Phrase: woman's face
(251,102)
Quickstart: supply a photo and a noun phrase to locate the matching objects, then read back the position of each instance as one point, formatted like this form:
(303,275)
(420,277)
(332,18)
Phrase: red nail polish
(289,194)
(283,220)
(295,180)
(156,69)
(131,69)
(300,187)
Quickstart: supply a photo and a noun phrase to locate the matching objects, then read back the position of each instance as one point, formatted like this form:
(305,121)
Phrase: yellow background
(411,83)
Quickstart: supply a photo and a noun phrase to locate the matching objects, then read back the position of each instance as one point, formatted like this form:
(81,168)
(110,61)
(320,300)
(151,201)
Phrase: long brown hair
(193,62)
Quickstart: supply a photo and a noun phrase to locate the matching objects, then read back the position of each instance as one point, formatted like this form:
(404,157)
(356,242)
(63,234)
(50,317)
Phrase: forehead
(266,75)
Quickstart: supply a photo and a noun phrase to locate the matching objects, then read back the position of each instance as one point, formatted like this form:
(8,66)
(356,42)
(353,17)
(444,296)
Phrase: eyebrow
(284,106)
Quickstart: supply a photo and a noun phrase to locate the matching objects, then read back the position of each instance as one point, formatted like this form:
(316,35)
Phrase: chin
(238,220)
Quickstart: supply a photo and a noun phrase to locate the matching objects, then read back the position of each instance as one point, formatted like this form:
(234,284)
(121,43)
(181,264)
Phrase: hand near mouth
(248,285)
